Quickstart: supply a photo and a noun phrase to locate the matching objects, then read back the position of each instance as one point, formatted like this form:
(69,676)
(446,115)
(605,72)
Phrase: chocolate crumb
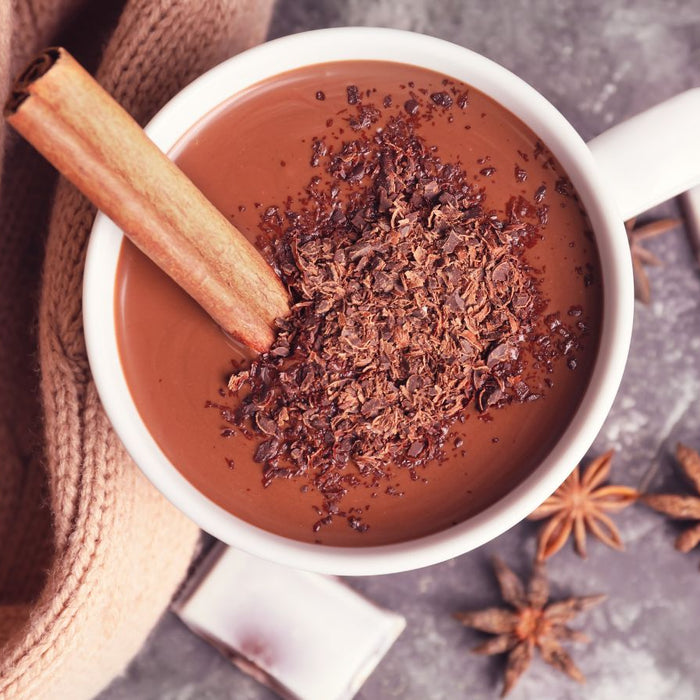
(353,94)
(442,99)
(411,106)
(563,186)
(520,174)
(320,95)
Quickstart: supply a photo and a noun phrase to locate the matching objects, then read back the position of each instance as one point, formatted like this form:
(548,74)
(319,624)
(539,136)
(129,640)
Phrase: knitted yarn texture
(90,552)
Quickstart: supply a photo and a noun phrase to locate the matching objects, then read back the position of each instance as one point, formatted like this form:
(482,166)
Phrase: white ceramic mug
(621,173)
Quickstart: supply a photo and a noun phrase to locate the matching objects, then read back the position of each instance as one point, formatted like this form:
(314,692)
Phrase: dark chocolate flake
(266,451)
(563,186)
(265,425)
(353,94)
(441,99)
(416,448)
(411,106)
(453,240)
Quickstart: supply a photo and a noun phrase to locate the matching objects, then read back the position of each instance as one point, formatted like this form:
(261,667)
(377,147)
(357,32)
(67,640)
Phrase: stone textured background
(598,61)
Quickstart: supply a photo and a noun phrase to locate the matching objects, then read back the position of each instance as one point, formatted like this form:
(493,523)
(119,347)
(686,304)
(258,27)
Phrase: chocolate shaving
(353,94)
(441,99)
(411,106)
(410,301)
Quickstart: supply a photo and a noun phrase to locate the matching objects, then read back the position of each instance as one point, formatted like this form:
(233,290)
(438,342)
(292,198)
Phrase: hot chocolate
(255,158)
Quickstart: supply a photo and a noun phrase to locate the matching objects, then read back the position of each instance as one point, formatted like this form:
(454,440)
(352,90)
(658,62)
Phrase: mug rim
(202,96)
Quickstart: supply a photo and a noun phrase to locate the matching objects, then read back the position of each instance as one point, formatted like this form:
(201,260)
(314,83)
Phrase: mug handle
(690,206)
(653,156)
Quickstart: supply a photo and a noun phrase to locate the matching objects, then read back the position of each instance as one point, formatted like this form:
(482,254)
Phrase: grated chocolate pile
(410,300)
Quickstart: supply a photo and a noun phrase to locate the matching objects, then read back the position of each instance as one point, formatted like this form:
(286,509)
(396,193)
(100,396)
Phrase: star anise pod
(582,504)
(682,506)
(533,623)
(641,256)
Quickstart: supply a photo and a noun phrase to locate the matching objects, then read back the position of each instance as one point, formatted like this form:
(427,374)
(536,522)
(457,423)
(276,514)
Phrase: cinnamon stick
(63,112)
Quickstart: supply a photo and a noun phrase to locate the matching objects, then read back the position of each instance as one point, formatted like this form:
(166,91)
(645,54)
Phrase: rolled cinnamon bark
(76,125)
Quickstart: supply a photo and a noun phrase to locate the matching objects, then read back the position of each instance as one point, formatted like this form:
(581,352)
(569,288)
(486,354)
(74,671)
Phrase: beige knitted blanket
(90,553)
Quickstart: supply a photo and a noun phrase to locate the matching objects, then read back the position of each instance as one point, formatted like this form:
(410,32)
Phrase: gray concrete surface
(598,61)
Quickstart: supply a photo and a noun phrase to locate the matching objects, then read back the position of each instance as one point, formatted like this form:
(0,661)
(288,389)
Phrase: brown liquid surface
(254,152)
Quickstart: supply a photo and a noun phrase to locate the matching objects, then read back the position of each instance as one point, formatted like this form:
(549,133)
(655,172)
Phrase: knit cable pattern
(90,553)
